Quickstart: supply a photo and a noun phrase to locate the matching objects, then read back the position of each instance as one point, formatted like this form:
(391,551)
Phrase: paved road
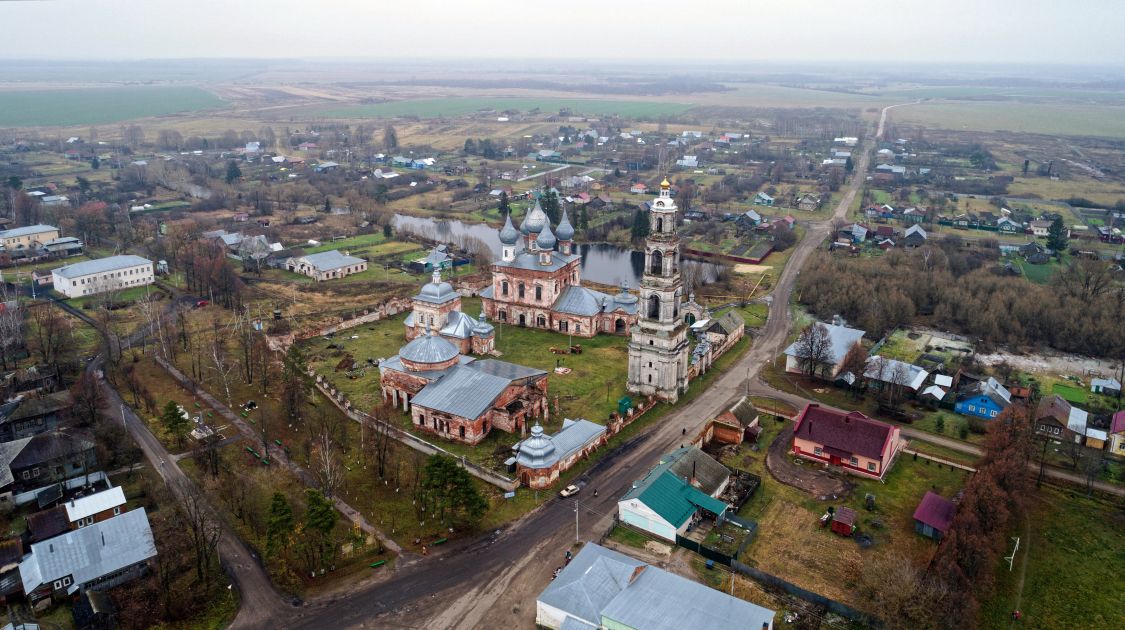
(494,583)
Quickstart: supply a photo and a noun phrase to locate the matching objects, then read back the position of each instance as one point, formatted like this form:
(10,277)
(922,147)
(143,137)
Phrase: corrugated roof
(331,259)
(90,552)
(428,348)
(111,263)
(673,498)
(590,582)
(8,453)
(36,407)
(849,432)
(710,475)
(542,451)
(935,511)
(503,369)
(842,338)
(463,392)
(530,261)
(28,230)
(98,502)
(888,370)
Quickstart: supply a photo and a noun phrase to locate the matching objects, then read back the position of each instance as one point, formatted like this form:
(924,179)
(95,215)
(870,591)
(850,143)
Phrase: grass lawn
(628,536)
(132,294)
(34,108)
(1070,393)
(1075,546)
(437,108)
(1039,274)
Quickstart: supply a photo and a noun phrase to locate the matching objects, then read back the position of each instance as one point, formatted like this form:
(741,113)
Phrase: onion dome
(508,234)
(534,220)
(546,240)
(428,349)
(565,231)
(436,291)
(624,297)
(537,451)
(483,328)
(665,183)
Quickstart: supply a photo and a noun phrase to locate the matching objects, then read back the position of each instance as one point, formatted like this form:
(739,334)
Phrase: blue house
(986,399)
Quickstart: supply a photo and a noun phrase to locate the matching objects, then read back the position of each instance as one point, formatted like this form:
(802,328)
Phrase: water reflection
(602,263)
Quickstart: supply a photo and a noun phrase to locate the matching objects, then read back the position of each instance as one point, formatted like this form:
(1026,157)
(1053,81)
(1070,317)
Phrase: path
(542,173)
(277,455)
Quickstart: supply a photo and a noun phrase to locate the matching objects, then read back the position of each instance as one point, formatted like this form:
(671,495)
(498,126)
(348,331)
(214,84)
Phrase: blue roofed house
(602,588)
(841,339)
(750,218)
(984,399)
(540,458)
(675,494)
(762,199)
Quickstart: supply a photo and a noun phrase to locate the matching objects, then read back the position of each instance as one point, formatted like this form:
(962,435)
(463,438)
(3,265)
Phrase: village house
(914,236)
(1107,386)
(541,458)
(539,286)
(808,202)
(679,491)
(984,399)
(639,188)
(1057,419)
(602,588)
(27,239)
(762,199)
(851,441)
(934,515)
(841,339)
(1117,434)
(84,511)
(91,277)
(884,372)
(25,417)
(44,459)
(460,398)
(102,555)
(326,265)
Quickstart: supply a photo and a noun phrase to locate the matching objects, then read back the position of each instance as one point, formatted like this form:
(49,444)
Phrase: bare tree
(202,532)
(217,353)
(329,470)
(814,350)
(11,326)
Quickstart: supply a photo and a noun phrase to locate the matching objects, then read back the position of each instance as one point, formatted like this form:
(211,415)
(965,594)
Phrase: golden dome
(665,183)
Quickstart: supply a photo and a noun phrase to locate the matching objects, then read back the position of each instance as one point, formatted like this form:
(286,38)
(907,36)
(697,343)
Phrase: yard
(1075,546)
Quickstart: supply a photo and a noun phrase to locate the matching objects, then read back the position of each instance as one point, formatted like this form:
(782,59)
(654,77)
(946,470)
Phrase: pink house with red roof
(851,441)
(1117,434)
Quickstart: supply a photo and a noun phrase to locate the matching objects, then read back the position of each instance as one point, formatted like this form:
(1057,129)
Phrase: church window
(538,293)
(659,225)
(577,327)
(654,306)
(504,288)
(657,262)
(503,316)
(521,290)
(541,321)
(650,378)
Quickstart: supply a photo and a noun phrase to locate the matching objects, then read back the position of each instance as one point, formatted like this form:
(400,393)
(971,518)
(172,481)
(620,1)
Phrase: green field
(1024,94)
(1044,118)
(1070,393)
(436,108)
(34,108)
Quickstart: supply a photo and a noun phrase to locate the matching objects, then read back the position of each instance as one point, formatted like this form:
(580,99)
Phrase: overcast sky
(994,31)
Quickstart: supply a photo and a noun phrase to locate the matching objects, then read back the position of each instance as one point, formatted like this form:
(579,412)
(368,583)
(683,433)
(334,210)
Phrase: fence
(814,598)
(414,441)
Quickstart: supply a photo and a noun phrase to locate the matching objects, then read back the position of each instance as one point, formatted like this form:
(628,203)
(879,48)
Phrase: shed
(843,521)
(934,515)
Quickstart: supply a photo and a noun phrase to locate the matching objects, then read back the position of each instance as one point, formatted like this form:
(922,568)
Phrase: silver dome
(427,349)
(436,291)
(565,231)
(534,220)
(546,239)
(537,451)
(508,234)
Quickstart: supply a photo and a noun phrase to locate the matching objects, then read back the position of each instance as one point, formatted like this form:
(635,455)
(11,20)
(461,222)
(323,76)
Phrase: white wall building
(90,277)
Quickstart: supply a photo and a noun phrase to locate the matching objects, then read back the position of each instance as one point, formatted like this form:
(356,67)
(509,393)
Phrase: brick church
(438,306)
(537,283)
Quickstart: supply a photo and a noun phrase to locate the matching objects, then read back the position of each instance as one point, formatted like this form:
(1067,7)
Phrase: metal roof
(428,348)
(943,380)
(842,338)
(436,291)
(579,300)
(463,391)
(100,265)
(542,451)
(28,230)
(9,451)
(846,432)
(503,369)
(508,233)
(331,259)
(395,364)
(565,231)
(936,511)
(600,583)
(90,552)
(459,325)
(673,498)
(92,504)
(530,261)
(710,474)
(888,370)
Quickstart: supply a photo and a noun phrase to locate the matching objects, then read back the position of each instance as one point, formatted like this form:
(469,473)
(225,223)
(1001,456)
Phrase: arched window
(538,293)
(654,307)
(657,265)
(503,316)
(504,288)
(520,290)
(659,225)
(541,321)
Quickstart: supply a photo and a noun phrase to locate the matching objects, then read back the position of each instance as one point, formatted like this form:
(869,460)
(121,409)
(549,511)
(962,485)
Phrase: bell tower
(658,347)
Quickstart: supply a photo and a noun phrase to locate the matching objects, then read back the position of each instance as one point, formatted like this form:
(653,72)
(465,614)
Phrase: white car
(569,491)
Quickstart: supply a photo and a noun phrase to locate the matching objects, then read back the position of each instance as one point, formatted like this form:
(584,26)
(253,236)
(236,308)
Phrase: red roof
(843,434)
(1118,424)
(935,511)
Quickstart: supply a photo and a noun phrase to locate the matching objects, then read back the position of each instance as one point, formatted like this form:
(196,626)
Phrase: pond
(602,263)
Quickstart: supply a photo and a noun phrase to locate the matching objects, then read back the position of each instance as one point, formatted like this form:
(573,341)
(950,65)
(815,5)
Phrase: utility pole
(576,541)
(123,416)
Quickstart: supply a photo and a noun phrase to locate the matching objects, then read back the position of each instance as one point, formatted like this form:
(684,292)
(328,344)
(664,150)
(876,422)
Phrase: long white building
(90,277)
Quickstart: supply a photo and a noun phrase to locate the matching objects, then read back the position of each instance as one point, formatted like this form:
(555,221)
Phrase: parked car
(569,491)
(202,303)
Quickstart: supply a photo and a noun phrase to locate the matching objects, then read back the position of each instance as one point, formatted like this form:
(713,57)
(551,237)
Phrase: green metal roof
(674,499)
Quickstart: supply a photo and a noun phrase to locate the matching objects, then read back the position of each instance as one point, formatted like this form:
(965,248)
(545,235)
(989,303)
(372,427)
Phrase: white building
(326,265)
(104,274)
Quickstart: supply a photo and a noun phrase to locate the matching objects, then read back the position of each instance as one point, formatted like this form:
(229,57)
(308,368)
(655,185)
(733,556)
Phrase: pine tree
(1056,236)
(550,203)
(174,421)
(640,225)
(233,172)
(280,522)
(583,219)
(505,206)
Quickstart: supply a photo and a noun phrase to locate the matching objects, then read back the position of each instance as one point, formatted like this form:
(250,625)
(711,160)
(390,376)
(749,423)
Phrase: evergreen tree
(505,206)
(233,172)
(174,421)
(388,230)
(1056,236)
(583,219)
(280,523)
(390,137)
(549,200)
(450,486)
(640,225)
(327,205)
(470,147)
